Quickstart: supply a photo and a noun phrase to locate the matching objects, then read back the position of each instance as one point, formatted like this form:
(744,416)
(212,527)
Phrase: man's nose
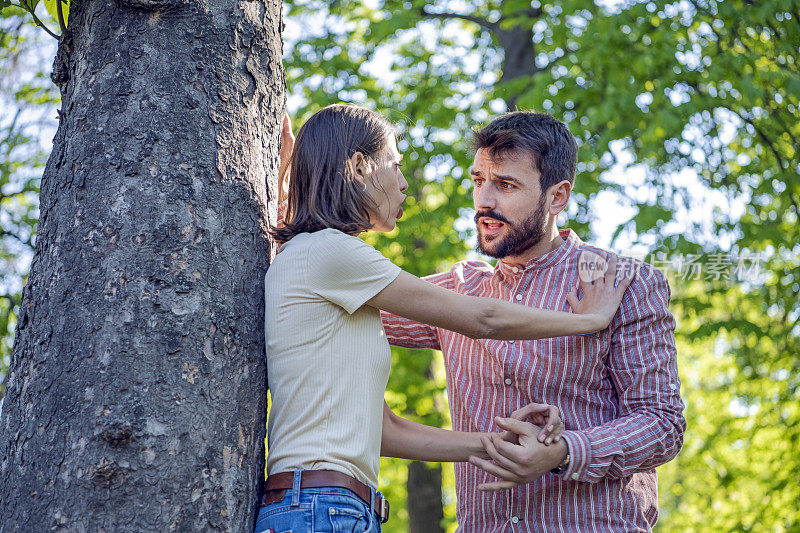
(403,184)
(484,198)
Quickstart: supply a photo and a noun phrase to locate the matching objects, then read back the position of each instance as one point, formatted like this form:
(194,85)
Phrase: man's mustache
(491,214)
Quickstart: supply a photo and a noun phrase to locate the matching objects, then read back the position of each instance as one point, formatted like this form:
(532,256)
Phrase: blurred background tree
(687,118)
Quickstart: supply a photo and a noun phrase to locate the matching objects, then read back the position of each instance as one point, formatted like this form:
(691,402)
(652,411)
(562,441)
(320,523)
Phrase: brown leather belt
(324,478)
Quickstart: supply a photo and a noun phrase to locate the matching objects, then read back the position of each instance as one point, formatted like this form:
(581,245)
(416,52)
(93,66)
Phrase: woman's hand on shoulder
(600,295)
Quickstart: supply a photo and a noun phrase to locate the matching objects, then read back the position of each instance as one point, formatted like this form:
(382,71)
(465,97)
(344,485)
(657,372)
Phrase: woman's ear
(360,167)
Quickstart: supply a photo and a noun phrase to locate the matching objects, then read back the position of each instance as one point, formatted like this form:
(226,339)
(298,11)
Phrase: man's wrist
(563,463)
(580,455)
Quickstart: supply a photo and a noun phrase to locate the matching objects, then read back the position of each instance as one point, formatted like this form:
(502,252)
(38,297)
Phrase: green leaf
(53,10)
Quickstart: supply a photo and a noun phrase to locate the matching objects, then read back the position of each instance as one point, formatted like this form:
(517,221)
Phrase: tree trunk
(519,58)
(424,485)
(137,388)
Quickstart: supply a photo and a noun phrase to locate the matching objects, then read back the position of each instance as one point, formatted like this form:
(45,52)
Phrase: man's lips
(490,225)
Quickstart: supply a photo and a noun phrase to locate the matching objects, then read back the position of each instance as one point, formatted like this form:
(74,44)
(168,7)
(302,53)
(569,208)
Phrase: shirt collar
(553,257)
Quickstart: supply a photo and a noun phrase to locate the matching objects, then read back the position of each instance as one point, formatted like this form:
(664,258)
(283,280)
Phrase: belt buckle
(384,514)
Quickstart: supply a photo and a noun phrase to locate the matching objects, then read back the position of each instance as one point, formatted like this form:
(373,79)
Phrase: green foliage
(57,9)
(738,470)
(18,212)
(52,8)
(721,102)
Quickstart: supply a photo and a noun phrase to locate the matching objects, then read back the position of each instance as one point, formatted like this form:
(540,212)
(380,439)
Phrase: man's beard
(518,239)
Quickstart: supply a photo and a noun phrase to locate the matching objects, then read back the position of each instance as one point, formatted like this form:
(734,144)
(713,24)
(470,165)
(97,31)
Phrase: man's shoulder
(461,273)
(471,269)
(648,291)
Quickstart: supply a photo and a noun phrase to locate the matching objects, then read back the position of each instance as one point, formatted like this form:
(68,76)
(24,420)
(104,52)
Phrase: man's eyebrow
(507,178)
(501,177)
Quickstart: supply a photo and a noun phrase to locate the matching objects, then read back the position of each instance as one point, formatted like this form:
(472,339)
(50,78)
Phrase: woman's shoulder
(335,239)
(325,241)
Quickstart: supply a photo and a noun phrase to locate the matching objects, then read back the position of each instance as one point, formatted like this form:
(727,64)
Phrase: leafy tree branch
(491,26)
(30,8)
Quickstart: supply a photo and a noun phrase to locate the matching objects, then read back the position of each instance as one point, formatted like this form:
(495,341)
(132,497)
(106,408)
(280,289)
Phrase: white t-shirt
(328,358)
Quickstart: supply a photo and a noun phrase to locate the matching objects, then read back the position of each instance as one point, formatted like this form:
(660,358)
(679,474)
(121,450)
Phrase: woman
(328,358)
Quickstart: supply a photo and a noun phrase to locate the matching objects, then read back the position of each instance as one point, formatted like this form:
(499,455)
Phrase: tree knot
(117,434)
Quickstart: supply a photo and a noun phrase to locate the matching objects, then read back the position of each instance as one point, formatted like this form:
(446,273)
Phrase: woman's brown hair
(323,191)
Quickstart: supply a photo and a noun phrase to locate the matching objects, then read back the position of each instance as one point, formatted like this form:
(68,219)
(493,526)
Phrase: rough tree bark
(136,394)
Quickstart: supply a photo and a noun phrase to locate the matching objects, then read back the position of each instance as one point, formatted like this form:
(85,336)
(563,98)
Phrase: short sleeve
(347,271)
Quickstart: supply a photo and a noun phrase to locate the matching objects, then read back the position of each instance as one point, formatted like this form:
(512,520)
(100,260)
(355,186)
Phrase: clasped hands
(529,445)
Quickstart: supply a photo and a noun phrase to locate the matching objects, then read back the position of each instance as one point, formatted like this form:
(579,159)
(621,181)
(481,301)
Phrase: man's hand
(546,416)
(515,464)
(287,145)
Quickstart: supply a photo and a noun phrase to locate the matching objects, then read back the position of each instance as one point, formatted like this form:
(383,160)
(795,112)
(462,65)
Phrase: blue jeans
(315,510)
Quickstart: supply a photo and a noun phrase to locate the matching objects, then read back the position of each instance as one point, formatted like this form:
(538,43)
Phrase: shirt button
(514,519)
(673,386)
(508,381)
(518,297)
(511,342)
(574,475)
(514,270)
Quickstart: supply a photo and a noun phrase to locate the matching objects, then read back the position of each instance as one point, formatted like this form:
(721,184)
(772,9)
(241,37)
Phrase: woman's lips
(400,211)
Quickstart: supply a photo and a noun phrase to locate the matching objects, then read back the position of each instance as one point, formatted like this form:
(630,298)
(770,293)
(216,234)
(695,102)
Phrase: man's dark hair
(547,140)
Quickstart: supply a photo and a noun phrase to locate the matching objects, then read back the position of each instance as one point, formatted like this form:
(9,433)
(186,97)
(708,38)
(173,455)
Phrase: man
(618,390)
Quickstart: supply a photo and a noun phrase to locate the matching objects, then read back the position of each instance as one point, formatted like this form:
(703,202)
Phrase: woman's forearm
(409,440)
(506,321)
(492,318)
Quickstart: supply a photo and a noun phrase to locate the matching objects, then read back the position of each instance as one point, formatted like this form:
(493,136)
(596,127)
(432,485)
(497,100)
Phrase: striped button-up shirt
(618,392)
